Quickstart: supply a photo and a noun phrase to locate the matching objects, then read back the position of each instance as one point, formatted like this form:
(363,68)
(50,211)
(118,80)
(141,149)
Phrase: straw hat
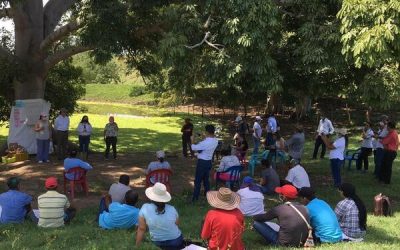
(224,199)
(158,193)
(341,131)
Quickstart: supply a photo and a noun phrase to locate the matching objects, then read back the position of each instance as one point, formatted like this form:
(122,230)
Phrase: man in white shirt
(61,125)
(205,154)
(297,175)
(257,131)
(272,127)
(251,200)
(325,127)
(118,190)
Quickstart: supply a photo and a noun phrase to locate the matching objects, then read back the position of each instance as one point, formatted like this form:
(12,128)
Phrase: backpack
(382,205)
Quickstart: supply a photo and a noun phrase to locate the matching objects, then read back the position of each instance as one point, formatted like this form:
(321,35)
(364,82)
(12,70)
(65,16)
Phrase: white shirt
(298,177)
(325,127)
(251,202)
(382,133)
(61,123)
(272,125)
(338,152)
(84,129)
(206,148)
(257,130)
(118,191)
(227,162)
(367,141)
(154,165)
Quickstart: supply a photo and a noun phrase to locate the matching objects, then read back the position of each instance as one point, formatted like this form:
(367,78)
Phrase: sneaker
(40,161)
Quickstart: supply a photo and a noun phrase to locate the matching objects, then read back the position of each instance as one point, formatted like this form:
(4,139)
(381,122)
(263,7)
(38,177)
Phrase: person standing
(257,132)
(187,132)
(325,127)
(272,127)
(205,154)
(366,147)
(61,125)
(391,145)
(242,126)
(336,154)
(43,135)
(295,144)
(110,137)
(378,147)
(84,131)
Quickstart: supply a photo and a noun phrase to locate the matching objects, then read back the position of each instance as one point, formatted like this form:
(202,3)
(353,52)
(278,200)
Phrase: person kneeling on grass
(351,213)
(161,219)
(114,215)
(325,225)
(251,198)
(292,229)
(54,208)
(223,226)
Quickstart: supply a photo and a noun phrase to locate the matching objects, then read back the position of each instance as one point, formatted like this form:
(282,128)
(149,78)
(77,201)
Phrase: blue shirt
(161,226)
(119,216)
(72,163)
(13,205)
(324,221)
(272,125)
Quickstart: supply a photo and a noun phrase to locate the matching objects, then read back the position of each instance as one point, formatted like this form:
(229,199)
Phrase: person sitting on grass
(72,162)
(161,163)
(223,226)
(54,208)
(15,205)
(269,178)
(292,230)
(226,162)
(325,225)
(297,175)
(114,215)
(351,213)
(161,219)
(251,199)
(118,190)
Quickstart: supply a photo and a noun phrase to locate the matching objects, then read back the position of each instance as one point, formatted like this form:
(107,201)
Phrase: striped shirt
(51,208)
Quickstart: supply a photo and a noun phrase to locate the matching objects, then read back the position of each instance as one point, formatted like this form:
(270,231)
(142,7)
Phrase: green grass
(115,93)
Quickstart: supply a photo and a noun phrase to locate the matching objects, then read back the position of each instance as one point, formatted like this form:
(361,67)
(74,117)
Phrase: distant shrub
(138,90)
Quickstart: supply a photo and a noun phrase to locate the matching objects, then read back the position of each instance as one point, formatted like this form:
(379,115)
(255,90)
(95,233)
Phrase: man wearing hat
(61,125)
(292,229)
(366,147)
(326,228)
(251,198)
(336,154)
(187,132)
(223,226)
(14,203)
(257,132)
(54,208)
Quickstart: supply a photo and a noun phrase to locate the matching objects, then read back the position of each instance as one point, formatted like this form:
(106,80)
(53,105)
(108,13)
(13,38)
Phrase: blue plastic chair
(350,156)
(234,173)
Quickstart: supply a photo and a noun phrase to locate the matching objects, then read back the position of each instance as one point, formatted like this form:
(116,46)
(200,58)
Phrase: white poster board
(23,117)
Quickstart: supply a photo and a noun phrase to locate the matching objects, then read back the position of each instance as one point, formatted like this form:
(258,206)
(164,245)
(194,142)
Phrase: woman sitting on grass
(351,213)
(161,219)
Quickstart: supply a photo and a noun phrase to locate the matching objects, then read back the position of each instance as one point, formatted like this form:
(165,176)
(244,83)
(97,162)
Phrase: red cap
(288,191)
(51,182)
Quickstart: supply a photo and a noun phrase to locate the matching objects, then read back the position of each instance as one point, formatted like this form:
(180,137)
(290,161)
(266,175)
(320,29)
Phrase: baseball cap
(51,182)
(288,191)
(248,180)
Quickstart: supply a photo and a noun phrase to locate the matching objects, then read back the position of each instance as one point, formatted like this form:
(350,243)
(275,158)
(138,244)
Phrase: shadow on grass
(377,235)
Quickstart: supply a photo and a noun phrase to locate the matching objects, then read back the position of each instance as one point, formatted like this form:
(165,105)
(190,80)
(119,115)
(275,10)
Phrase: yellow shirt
(52,208)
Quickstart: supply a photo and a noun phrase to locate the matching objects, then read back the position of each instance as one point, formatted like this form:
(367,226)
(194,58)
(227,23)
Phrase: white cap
(160,154)
(238,118)
(258,117)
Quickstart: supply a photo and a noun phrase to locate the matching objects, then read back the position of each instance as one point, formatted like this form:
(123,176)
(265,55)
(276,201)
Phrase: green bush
(138,90)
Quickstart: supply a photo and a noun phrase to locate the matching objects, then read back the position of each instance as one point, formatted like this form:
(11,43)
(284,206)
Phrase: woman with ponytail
(351,213)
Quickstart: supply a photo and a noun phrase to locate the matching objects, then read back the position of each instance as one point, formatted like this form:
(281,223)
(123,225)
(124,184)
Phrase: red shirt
(391,141)
(224,228)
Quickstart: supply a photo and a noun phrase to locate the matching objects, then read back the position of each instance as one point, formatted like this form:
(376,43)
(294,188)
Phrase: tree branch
(6,12)
(61,55)
(59,34)
(205,40)
(53,11)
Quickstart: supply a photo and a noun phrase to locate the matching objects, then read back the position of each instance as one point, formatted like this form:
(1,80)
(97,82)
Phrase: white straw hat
(158,193)
(224,199)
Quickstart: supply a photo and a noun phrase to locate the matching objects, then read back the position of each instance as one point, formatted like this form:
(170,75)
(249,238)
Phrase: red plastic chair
(159,175)
(79,179)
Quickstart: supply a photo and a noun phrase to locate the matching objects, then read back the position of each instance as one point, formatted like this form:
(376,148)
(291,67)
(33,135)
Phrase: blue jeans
(170,244)
(378,159)
(42,152)
(202,175)
(335,168)
(269,234)
(256,142)
(84,141)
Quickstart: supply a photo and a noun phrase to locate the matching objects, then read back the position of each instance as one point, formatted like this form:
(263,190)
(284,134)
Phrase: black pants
(62,144)
(386,168)
(319,142)
(363,157)
(111,141)
(186,143)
